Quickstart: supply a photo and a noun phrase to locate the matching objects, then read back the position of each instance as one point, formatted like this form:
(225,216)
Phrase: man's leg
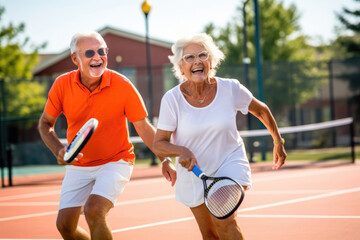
(67,224)
(96,209)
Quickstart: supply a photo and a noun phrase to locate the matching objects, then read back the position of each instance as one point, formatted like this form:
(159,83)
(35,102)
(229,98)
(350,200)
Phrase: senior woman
(200,115)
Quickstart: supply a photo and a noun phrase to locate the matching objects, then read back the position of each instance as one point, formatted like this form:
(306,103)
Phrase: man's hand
(60,157)
(169,172)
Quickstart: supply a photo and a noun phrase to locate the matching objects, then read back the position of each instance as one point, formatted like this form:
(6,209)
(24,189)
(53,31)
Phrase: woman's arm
(263,113)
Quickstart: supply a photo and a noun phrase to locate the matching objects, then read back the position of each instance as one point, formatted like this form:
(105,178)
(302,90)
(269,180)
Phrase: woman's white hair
(77,36)
(203,39)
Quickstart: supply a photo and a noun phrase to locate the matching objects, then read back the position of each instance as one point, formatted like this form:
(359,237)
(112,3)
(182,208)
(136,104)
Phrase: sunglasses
(101,51)
(191,58)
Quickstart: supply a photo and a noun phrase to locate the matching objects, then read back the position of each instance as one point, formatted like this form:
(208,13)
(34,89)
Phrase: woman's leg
(205,223)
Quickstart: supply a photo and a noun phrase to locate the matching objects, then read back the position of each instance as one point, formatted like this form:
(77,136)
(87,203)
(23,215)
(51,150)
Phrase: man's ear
(75,59)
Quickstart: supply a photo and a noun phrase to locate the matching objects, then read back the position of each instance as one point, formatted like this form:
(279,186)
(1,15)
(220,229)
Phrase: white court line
(314,172)
(144,200)
(28,216)
(12,204)
(296,216)
(287,192)
(331,194)
(30,195)
(161,179)
(246,209)
(239,215)
(170,196)
(192,218)
(57,192)
(153,224)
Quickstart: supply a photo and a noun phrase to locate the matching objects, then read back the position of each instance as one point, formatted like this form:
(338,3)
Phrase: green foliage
(24,97)
(20,96)
(279,31)
(288,60)
(349,47)
(346,14)
(346,47)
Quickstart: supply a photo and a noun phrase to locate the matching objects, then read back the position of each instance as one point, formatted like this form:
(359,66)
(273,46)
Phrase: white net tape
(300,128)
(284,130)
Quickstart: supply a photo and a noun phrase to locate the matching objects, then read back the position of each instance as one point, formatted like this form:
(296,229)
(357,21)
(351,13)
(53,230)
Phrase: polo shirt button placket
(90,99)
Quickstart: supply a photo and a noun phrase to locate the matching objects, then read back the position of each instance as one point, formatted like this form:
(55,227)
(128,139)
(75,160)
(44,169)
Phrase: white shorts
(106,180)
(189,188)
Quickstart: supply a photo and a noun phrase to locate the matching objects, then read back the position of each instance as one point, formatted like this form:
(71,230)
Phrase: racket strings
(223,196)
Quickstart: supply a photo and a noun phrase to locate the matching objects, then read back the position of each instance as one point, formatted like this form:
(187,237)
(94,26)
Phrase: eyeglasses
(191,58)
(101,51)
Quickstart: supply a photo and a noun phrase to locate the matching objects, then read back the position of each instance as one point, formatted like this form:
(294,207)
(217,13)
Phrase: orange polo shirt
(114,101)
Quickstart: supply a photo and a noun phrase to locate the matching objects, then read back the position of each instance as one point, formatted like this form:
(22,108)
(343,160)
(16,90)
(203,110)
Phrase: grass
(323,154)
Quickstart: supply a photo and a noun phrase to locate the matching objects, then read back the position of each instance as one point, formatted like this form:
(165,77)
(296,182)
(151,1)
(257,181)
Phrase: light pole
(259,73)
(246,62)
(146,7)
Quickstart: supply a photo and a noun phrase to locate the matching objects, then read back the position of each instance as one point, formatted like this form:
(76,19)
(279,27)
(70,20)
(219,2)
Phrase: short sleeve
(168,117)
(242,97)
(53,105)
(135,109)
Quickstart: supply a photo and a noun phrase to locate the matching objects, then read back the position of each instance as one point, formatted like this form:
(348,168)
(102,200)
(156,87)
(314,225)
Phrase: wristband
(282,141)
(165,160)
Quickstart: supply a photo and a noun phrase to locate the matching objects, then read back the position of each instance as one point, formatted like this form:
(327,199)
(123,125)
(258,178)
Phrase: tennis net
(327,134)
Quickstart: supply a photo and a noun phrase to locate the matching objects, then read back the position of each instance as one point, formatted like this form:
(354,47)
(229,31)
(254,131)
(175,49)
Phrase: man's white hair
(77,36)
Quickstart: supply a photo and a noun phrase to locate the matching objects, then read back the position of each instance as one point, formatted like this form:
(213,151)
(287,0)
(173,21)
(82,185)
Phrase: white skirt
(189,188)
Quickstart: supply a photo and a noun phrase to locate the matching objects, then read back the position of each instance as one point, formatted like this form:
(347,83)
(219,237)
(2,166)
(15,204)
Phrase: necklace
(201,101)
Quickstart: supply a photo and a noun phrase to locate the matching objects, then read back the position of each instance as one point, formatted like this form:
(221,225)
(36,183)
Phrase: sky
(55,22)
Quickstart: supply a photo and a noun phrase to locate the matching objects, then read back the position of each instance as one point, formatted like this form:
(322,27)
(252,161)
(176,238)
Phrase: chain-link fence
(297,93)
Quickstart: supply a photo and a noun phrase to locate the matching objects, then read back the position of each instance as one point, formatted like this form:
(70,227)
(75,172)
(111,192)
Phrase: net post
(9,164)
(352,142)
(2,170)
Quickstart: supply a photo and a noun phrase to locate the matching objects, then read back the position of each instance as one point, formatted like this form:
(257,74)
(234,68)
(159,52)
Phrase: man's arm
(147,133)
(48,135)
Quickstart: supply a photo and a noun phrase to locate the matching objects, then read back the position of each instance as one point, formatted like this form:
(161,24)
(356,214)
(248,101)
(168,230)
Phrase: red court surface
(301,201)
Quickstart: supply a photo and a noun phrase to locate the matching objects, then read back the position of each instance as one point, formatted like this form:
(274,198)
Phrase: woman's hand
(279,156)
(187,159)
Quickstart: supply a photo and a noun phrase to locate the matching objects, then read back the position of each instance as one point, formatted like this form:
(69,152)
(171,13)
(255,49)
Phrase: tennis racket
(222,196)
(80,140)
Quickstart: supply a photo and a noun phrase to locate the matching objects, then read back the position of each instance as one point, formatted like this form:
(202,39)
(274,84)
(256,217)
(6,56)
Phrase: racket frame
(92,124)
(200,174)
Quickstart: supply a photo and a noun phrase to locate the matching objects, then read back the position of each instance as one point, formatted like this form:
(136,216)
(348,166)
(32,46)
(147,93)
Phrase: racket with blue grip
(222,195)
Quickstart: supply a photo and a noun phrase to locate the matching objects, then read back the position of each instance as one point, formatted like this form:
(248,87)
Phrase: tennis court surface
(301,201)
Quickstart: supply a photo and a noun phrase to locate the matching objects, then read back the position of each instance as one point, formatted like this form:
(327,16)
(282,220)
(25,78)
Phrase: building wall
(132,53)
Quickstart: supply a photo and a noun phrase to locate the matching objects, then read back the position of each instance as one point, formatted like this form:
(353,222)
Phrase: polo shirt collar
(105,79)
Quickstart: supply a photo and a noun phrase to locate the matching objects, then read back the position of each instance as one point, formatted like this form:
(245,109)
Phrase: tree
(19,95)
(348,46)
(281,42)
(344,18)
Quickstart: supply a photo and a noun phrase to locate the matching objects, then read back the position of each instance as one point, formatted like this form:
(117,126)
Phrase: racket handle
(197,171)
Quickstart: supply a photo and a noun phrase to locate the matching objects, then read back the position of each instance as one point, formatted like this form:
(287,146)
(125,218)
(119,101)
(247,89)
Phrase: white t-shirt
(209,132)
